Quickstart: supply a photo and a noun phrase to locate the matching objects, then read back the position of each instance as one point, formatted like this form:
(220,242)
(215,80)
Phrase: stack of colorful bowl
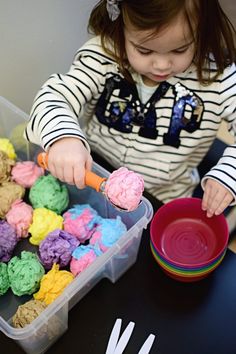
(185,242)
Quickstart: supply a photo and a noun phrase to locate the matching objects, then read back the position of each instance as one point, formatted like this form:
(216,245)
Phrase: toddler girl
(149,92)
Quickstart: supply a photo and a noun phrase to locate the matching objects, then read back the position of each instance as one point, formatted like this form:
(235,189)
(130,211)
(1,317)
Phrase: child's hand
(67,160)
(216,198)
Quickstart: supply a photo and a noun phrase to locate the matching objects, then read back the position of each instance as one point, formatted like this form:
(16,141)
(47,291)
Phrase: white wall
(38,38)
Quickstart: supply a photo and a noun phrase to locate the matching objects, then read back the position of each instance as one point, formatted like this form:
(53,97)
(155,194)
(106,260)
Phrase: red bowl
(184,236)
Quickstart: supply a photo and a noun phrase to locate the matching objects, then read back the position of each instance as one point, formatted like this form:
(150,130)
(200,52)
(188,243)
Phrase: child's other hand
(216,198)
(67,160)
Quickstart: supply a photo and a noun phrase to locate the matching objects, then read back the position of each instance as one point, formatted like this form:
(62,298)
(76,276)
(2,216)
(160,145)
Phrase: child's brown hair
(212,30)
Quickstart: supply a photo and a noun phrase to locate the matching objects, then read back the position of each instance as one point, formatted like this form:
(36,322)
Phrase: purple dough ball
(8,241)
(57,247)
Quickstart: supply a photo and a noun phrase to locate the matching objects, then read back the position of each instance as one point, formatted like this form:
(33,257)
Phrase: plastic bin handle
(91,179)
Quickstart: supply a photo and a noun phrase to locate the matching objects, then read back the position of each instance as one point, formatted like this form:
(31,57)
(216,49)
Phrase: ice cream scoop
(123,188)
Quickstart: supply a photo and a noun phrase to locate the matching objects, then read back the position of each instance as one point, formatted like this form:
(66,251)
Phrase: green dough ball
(4,280)
(25,273)
(47,192)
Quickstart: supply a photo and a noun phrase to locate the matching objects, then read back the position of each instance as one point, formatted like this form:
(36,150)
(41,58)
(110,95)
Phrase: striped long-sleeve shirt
(163,138)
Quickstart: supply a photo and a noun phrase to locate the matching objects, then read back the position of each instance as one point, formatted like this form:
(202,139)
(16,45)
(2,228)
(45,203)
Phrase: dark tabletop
(187,318)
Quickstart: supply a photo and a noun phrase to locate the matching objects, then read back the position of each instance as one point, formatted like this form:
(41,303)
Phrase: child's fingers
(227,199)
(79,176)
(69,175)
(214,202)
(89,163)
(216,199)
(205,200)
(208,196)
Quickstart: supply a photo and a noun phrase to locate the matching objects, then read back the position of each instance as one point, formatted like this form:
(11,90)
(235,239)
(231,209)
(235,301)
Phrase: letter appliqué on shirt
(179,121)
(119,107)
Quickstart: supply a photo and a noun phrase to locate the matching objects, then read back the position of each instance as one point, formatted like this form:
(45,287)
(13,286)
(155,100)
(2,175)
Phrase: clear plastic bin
(53,321)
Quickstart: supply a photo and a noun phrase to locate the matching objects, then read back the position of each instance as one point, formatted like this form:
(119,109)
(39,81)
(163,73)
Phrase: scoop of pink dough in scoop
(124,188)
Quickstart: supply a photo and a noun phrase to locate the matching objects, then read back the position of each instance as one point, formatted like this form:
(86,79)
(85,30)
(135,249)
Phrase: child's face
(160,57)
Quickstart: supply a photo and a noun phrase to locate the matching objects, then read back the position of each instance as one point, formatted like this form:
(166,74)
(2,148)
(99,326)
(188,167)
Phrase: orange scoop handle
(91,179)
(42,160)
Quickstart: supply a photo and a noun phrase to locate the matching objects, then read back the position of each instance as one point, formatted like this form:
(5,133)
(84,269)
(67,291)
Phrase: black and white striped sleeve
(62,98)
(225,170)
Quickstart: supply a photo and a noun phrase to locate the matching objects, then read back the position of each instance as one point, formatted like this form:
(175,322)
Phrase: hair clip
(113,9)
